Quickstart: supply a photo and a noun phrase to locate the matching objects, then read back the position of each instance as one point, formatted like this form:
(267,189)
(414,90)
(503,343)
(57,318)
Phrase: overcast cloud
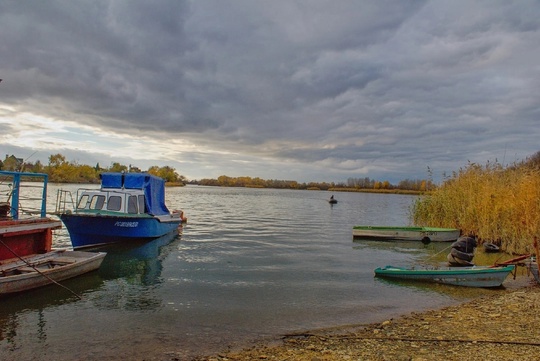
(305,90)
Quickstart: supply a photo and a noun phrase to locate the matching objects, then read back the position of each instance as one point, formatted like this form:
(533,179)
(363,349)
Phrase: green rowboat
(477,276)
(398,233)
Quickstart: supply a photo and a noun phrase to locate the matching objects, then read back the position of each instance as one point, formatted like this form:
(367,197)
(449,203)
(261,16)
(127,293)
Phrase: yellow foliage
(495,204)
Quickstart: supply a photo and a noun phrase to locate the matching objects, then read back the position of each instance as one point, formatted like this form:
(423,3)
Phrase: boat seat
(65,259)
(25,269)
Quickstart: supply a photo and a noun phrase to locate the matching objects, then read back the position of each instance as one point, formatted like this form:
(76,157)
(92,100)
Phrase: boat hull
(24,233)
(96,230)
(18,276)
(463,276)
(26,236)
(389,233)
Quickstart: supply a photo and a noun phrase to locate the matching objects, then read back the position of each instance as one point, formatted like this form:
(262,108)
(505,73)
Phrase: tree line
(352,184)
(60,170)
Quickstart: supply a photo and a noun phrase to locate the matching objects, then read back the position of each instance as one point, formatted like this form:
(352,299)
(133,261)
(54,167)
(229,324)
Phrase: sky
(305,90)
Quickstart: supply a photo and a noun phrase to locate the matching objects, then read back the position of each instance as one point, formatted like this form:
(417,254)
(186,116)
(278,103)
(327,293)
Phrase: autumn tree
(167,173)
(117,167)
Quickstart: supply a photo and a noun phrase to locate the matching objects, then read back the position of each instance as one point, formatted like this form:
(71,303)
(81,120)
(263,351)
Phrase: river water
(250,264)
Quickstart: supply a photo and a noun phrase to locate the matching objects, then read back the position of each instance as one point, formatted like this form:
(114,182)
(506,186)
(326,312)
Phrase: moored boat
(27,260)
(404,233)
(477,276)
(29,232)
(43,269)
(128,206)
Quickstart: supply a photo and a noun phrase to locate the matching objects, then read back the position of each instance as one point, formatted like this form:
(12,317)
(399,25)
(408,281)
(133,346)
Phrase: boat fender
(179,213)
(461,255)
(426,240)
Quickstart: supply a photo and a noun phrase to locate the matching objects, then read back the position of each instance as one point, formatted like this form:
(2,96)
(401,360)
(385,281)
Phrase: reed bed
(493,203)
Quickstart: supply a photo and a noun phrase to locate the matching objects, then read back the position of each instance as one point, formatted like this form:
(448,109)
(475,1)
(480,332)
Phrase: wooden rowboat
(477,276)
(398,233)
(43,269)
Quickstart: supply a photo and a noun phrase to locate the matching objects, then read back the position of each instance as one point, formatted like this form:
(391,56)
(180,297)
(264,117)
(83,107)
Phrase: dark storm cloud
(363,88)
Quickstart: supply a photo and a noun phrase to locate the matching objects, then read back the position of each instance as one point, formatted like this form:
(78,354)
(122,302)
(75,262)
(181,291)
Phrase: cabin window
(114,203)
(132,204)
(83,201)
(97,202)
(141,204)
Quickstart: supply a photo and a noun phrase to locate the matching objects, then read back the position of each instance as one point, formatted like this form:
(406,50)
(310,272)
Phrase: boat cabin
(129,194)
(127,201)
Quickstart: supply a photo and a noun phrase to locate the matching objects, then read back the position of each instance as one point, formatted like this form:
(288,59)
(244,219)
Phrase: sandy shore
(503,326)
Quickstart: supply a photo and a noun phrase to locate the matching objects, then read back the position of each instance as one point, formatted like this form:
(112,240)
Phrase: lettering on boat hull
(127,224)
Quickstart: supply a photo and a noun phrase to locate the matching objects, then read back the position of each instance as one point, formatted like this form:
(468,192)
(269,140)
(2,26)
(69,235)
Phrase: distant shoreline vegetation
(60,170)
(352,185)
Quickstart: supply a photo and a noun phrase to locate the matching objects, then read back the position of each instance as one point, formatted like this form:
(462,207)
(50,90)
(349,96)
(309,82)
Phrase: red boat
(23,235)
(26,257)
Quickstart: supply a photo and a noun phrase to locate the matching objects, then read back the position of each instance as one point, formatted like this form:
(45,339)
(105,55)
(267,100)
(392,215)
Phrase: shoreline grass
(493,203)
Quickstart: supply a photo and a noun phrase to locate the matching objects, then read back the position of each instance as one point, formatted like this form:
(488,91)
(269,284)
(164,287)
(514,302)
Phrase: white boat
(404,233)
(40,270)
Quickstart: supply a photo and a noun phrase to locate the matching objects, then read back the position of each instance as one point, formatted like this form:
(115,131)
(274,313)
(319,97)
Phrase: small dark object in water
(491,247)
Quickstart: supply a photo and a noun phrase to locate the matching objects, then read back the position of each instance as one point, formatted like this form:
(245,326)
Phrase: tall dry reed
(496,204)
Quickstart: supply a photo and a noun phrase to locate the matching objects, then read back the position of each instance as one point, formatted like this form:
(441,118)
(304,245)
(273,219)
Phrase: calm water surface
(250,264)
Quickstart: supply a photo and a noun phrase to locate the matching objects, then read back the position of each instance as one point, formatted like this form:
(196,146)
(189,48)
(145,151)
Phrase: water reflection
(456,292)
(431,251)
(139,262)
(124,280)
(131,271)
(26,311)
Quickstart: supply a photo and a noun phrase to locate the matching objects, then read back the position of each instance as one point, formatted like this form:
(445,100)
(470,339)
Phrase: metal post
(15,196)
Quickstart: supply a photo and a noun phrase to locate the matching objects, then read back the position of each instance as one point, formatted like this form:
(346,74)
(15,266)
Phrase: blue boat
(128,206)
